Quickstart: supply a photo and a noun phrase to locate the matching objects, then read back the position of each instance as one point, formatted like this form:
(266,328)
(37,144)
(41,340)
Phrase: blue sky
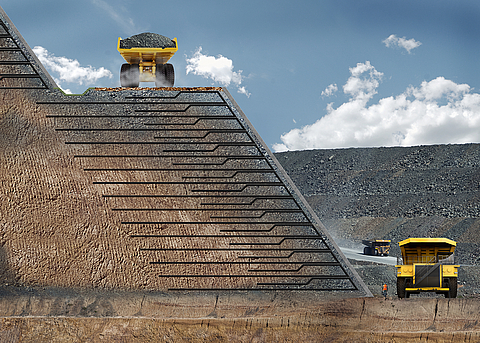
(308,74)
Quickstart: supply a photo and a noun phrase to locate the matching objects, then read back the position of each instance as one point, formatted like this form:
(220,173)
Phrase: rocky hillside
(394,193)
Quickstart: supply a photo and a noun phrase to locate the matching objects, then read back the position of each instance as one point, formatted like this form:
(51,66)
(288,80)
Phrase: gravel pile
(390,182)
(147,40)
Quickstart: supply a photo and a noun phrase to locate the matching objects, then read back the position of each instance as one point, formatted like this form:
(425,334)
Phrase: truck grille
(427,276)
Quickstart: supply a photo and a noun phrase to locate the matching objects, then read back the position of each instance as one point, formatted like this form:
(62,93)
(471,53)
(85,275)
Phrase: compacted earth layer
(53,315)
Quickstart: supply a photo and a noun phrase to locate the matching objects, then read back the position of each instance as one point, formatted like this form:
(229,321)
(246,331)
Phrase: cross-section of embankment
(158,189)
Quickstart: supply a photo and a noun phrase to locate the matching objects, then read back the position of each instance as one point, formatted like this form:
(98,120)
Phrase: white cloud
(439,111)
(219,69)
(364,81)
(242,90)
(69,70)
(408,44)
(330,90)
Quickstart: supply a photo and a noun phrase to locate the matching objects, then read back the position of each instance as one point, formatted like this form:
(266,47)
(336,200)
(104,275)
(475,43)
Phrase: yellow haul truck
(147,55)
(427,265)
(376,247)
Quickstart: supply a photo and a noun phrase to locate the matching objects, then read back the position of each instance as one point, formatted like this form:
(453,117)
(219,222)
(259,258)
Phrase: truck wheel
(129,75)
(452,288)
(401,288)
(164,75)
(170,74)
(160,80)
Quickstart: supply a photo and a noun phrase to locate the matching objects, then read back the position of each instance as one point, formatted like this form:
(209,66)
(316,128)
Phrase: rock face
(426,181)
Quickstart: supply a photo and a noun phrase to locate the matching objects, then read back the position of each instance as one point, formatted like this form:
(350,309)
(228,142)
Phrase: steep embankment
(394,193)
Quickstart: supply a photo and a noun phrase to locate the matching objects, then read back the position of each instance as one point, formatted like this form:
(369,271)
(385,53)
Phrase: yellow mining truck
(427,265)
(376,247)
(147,55)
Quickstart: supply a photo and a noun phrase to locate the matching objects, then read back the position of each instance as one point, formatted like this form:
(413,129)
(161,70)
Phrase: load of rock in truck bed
(147,40)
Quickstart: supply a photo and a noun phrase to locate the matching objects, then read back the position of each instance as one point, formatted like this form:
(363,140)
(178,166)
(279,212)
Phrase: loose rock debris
(147,40)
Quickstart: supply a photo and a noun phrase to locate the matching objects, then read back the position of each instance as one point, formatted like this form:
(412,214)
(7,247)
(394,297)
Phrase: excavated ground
(56,315)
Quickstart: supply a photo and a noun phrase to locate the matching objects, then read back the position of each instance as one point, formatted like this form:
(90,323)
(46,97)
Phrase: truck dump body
(134,54)
(427,265)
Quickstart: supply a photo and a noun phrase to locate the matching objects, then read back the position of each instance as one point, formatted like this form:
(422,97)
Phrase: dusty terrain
(55,315)
(147,189)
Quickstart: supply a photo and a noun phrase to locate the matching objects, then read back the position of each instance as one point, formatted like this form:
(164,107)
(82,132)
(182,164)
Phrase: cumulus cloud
(363,82)
(439,111)
(394,42)
(330,90)
(219,69)
(69,70)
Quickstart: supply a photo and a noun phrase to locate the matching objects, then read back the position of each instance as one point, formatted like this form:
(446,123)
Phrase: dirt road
(355,254)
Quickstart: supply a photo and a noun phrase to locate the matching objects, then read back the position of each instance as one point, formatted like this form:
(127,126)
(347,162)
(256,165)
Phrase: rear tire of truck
(164,75)
(366,251)
(401,288)
(170,74)
(129,75)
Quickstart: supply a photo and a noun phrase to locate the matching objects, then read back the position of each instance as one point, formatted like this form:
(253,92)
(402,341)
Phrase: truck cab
(427,265)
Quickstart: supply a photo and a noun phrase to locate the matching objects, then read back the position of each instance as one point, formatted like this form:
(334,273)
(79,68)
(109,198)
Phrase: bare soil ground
(56,315)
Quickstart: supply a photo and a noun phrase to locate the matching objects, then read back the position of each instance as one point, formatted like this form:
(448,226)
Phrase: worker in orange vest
(384,292)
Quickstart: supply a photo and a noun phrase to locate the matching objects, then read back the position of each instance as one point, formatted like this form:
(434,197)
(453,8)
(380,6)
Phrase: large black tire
(366,251)
(164,75)
(401,288)
(452,286)
(170,74)
(129,75)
